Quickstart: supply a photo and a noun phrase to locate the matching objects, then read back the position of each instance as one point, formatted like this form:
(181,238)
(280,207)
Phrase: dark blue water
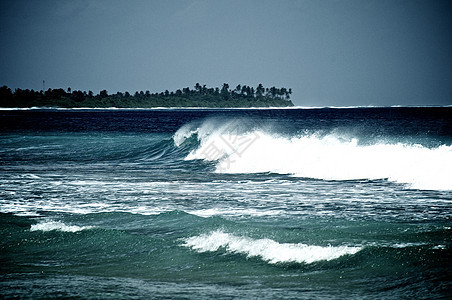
(258,203)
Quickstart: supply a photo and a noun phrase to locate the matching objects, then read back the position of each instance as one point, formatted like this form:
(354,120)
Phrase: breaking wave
(266,249)
(245,149)
(58,226)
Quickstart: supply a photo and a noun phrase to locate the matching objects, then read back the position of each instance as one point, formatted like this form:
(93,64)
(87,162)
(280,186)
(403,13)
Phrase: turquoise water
(296,203)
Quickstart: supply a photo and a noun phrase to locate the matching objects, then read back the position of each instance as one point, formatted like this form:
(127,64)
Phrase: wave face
(240,149)
(267,249)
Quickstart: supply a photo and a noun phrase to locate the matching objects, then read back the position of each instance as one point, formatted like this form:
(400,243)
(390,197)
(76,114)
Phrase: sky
(330,52)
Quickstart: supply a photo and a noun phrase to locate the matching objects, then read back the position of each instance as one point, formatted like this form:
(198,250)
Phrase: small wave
(407,245)
(332,157)
(57,226)
(267,249)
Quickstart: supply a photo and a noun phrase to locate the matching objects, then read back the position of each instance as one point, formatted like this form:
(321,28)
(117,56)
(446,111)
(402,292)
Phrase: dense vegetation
(200,96)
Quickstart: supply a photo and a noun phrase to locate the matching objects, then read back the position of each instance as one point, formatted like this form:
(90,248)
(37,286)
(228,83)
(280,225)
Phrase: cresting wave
(267,249)
(57,226)
(238,149)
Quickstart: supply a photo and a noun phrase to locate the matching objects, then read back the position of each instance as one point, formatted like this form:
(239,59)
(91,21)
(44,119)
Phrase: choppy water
(259,203)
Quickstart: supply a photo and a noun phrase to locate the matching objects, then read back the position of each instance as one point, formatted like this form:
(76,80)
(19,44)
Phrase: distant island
(200,96)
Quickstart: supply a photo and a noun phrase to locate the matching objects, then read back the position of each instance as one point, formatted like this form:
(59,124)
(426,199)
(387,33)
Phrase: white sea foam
(407,245)
(58,226)
(267,249)
(236,212)
(328,157)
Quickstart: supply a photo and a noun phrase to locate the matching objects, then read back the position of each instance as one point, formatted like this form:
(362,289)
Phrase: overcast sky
(339,53)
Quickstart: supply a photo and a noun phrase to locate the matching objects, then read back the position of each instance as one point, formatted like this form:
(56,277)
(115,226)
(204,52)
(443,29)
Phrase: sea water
(226,203)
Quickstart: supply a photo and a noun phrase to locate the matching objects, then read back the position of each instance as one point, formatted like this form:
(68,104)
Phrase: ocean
(295,203)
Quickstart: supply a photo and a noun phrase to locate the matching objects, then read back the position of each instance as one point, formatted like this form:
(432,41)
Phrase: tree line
(200,96)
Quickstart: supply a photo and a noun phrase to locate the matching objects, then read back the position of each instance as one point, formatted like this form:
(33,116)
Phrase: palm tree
(198,87)
(260,90)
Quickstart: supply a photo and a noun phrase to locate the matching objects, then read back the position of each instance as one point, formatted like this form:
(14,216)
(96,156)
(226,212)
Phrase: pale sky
(330,52)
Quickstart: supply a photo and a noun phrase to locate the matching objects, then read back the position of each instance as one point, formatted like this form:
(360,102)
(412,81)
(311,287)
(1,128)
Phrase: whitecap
(267,249)
(329,157)
(58,226)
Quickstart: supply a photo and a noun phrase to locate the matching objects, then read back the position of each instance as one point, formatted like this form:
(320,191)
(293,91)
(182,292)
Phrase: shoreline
(37,108)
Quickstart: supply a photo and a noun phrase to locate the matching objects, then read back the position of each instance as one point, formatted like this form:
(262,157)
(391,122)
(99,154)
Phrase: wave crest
(58,226)
(267,249)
